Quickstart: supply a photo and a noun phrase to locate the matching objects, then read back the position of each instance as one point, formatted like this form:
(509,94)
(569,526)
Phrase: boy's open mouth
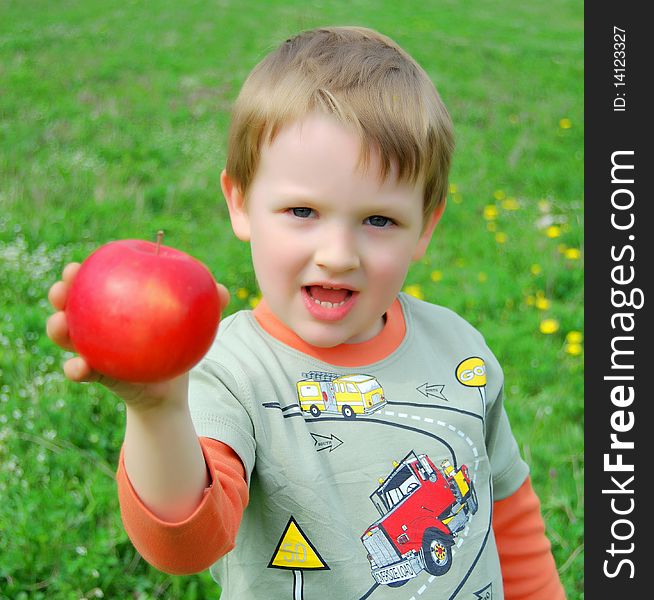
(328,297)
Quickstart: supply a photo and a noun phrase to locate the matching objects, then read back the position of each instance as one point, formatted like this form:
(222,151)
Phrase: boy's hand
(78,370)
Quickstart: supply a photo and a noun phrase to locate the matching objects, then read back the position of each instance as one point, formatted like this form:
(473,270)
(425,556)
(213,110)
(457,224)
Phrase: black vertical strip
(618,336)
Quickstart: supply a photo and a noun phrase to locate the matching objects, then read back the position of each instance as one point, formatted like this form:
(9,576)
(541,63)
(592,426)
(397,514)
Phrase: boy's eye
(302,212)
(379,221)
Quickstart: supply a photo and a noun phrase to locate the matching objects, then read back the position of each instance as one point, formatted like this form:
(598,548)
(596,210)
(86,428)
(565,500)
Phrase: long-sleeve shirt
(303,434)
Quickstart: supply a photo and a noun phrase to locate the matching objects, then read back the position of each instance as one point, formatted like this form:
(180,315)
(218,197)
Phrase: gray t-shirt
(375,481)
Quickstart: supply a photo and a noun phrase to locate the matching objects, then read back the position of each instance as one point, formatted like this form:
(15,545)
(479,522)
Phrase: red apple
(141,312)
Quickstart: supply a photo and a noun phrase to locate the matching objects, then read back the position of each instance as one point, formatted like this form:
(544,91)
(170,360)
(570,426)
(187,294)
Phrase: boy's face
(331,245)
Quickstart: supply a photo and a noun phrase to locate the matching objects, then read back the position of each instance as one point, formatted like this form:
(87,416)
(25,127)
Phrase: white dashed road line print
(461,434)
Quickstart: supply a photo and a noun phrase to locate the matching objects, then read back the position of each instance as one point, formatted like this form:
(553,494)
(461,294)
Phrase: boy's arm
(195,543)
(162,455)
(167,465)
(528,569)
(192,545)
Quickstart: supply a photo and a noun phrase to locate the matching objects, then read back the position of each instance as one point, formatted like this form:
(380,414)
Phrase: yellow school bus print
(348,395)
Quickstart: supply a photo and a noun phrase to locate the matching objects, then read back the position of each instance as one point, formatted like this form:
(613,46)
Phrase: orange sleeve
(528,569)
(194,544)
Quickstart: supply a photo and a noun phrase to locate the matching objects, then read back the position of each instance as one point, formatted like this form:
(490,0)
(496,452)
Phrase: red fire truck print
(423,507)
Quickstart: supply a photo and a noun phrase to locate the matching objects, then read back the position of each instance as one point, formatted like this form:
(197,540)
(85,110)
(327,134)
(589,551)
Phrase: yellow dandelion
(491,226)
(573,349)
(501,237)
(549,326)
(242,293)
(542,303)
(414,290)
(565,123)
(254,300)
(572,253)
(453,188)
(436,276)
(510,204)
(482,277)
(574,337)
(553,231)
(536,269)
(499,194)
(490,212)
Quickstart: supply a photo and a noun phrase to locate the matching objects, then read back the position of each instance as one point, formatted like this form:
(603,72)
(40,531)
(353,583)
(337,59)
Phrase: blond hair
(366,81)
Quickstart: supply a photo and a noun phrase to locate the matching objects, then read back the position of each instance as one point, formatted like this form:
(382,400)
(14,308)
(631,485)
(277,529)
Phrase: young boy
(363,429)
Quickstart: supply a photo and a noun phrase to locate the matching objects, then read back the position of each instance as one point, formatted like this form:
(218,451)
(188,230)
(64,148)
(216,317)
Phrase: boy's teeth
(327,294)
(328,304)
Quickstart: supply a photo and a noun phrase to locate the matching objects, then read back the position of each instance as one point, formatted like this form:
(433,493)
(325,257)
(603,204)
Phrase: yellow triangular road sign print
(295,551)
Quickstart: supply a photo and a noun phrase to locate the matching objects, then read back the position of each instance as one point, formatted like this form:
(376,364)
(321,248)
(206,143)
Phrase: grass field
(113,119)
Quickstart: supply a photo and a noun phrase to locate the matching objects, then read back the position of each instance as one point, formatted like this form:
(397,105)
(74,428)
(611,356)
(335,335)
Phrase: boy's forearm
(194,544)
(164,460)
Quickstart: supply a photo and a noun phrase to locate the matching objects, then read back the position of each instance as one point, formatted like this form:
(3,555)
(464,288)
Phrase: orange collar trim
(343,355)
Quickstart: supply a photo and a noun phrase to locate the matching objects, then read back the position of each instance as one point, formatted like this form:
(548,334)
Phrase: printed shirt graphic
(332,393)
(423,508)
(375,481)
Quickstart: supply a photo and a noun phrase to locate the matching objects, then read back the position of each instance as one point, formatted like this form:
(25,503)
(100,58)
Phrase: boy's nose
(337,252)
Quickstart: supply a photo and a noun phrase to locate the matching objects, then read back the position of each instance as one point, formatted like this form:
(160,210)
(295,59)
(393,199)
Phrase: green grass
(113,120)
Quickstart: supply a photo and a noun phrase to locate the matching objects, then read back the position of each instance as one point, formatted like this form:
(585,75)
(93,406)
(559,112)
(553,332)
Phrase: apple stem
(160,235)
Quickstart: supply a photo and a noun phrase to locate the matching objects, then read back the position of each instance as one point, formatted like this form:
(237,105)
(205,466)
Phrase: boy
(364,428)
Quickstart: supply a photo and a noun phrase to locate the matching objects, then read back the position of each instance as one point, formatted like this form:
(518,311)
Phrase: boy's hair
(366,81)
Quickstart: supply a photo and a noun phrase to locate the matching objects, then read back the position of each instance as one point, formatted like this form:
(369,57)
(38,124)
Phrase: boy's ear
(427,232)
(238,213)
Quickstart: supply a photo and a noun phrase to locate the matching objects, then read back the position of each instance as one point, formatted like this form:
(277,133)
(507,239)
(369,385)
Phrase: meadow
(113,122)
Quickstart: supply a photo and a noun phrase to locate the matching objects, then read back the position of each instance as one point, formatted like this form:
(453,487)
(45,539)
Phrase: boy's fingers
(57,295)
(57,329)
(70,270)
(223,293)
(77,369)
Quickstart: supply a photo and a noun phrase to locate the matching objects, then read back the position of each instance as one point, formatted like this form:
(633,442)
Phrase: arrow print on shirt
(322,442)
(429,390)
